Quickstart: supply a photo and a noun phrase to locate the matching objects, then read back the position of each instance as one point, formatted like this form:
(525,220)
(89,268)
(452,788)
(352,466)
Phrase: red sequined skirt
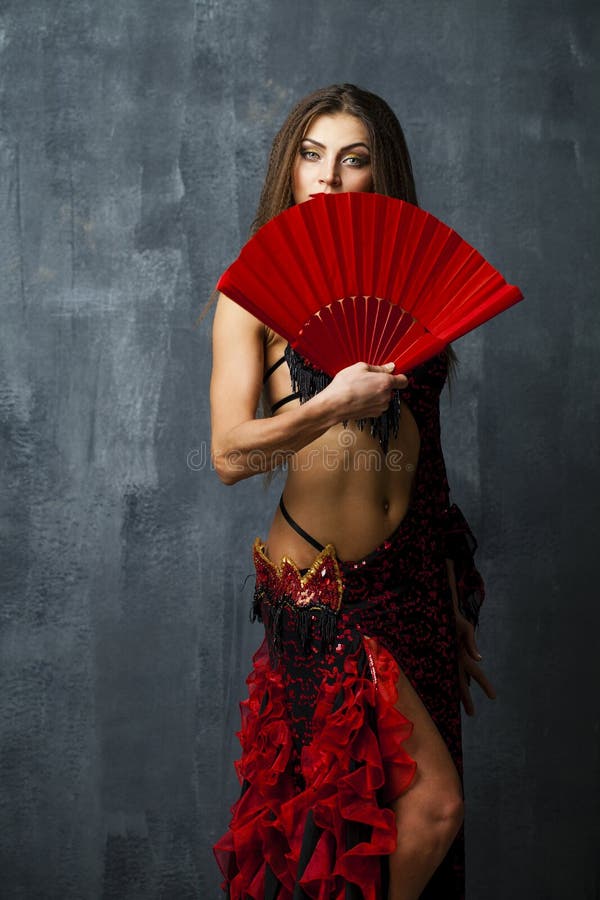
(322,736)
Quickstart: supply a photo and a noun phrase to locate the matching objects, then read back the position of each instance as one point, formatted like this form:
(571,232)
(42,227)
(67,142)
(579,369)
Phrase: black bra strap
(283,400)
(297,528)
(272,368)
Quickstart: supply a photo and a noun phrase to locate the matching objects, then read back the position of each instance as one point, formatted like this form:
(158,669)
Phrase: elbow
(227,467)
(227,477)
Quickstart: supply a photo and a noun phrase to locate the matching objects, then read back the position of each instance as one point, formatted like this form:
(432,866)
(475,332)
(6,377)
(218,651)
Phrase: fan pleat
(411,334)
(440,256)
(351,316)
(501,301)
(360,310)
(361,276)
(408,236)
(421,263)
(344,324)
(374,326)
(322,341)
(326,233)
(477,289)
(319,350)
(465,267)
(420,351)
(372,241)
(385,331)
(405,326)
(394,241)
(309,281)
(349,246)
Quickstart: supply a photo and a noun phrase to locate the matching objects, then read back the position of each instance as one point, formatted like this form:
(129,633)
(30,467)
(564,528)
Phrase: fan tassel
(309,381)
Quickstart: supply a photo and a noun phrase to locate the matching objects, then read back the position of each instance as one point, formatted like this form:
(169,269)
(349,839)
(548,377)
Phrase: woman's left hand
(468,664)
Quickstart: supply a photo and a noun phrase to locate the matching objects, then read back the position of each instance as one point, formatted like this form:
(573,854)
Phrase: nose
(330,175)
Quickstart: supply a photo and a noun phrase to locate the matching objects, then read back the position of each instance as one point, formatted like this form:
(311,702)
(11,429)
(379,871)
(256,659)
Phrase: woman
(351,761)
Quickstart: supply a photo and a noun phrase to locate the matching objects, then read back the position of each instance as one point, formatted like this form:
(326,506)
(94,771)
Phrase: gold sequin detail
(321,585)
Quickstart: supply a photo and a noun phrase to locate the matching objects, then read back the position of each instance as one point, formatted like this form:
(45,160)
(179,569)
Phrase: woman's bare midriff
(341,488)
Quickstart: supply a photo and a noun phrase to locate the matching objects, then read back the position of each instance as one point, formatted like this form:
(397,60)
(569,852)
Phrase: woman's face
(334,156)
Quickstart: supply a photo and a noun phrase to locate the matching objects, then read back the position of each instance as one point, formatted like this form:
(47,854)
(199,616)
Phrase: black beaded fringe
(309,622)
(309,381)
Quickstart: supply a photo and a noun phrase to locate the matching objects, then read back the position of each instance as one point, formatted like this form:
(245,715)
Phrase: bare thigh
(436,773)
(429,812)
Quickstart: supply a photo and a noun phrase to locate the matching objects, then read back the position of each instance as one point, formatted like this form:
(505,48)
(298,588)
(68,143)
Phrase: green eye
(357,161)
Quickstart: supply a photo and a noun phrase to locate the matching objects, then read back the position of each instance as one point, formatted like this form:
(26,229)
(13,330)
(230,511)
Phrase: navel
(386,506)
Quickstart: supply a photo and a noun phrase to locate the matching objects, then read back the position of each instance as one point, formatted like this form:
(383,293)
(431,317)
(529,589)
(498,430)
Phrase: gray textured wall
(133,137)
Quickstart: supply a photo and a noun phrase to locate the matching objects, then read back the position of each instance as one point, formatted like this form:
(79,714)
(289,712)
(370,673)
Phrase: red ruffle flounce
(350,768)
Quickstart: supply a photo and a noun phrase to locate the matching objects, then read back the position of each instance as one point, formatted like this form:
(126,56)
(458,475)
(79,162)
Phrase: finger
(388,368)
(464,686)
(471,645)
(465,694)
(489,689)
(399,380)
(484,683)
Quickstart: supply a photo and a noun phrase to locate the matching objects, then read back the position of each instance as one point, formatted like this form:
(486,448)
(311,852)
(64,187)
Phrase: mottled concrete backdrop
(133,137)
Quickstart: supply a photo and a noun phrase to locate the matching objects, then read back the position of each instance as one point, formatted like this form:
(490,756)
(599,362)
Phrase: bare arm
(243,445)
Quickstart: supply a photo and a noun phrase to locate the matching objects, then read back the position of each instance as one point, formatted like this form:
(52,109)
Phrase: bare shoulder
(231,315)
(238,361)
(236,333)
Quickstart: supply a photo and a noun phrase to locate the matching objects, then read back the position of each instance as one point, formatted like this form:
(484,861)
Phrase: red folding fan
(360,276)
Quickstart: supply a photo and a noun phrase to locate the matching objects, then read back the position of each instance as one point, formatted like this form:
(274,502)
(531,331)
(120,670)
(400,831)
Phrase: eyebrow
(342,149)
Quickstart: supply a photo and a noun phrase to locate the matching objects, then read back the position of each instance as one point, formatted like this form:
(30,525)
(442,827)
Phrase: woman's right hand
(363,391)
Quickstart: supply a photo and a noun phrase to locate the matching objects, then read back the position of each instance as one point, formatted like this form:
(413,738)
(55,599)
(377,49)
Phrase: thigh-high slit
(322,736)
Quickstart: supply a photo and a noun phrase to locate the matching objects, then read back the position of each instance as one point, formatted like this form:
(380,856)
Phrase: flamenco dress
(321,733)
